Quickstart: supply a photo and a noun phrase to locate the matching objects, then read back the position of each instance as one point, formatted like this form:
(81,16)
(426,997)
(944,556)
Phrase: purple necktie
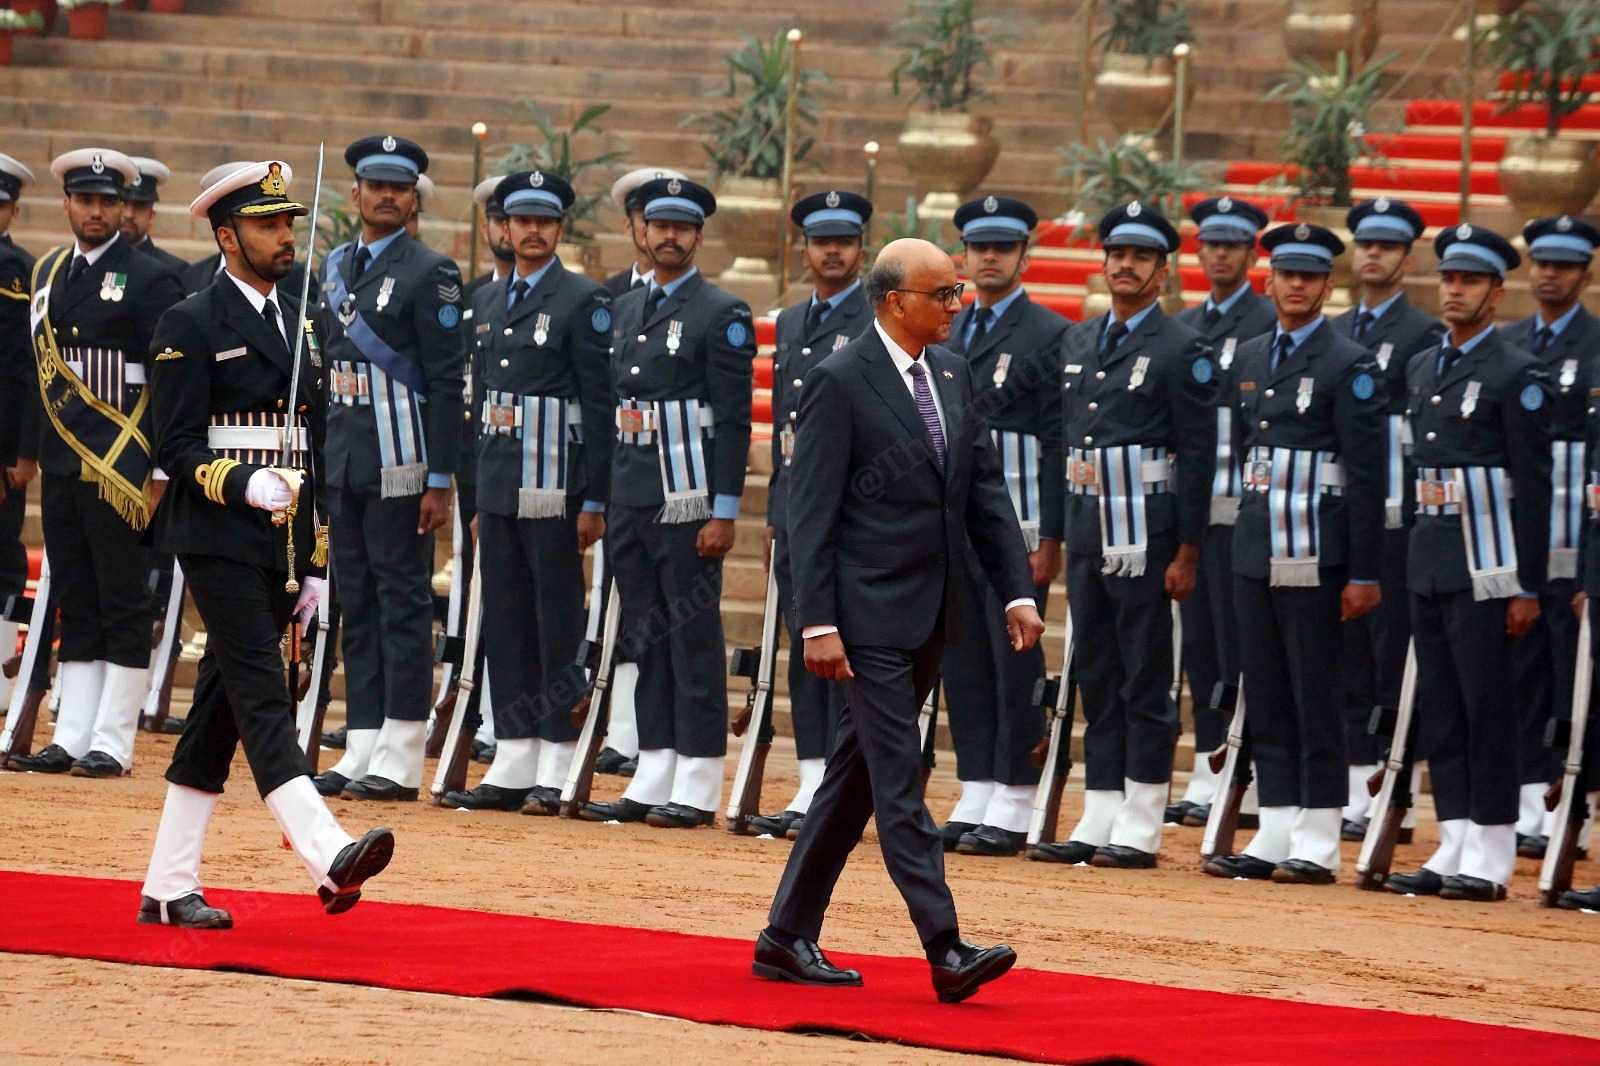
(926,408)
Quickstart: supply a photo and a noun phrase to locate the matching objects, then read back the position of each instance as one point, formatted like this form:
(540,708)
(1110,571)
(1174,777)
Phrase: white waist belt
(636,425)
(259,438)
(1083,478)
(1258,476)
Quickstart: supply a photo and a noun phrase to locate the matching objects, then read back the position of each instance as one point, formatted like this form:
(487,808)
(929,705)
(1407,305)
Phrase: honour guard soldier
(202,272)
(1012,345)
(391,327)
(1308,428)
(1565,337)
(625,194)
(835,314)
(242,517)
(495,236)
(681,365)
(1231,314)
(1387,325)
(544,461)
(139,210)
(1140,429)
(95,308)
(1480,415)
(19,403)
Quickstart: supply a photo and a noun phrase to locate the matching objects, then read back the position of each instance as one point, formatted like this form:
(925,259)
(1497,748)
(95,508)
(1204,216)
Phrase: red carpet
(1030,1014)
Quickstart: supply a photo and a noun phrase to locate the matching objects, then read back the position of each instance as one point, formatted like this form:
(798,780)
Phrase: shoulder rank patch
(450,293)
(600,320)
(1532,397)
(168,353)
(449,316)
(737,334)
(1202,370)
(1362,386)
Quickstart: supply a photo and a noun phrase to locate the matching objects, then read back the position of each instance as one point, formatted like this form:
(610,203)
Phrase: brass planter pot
(1318,30)
(1135,93)
(1549,176)
(947,154)
(749,211)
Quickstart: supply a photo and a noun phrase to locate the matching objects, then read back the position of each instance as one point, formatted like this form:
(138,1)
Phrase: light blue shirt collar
(675,284)
(835,300)
(376,248)
(1472,342)
(1297,337)
(532,279)
(1382,309)
(1132,323)
(999,307)
(1227,305)
(1559,324)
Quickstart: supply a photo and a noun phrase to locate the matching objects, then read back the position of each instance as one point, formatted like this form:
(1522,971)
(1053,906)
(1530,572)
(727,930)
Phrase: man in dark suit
(894,472)
(1231,314)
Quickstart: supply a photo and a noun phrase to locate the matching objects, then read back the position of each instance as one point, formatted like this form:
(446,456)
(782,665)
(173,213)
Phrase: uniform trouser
(241,695)
(384,570)
(99,574)
(13,556)
(1373,654)
(1210,644)
(671,606)
(814,704)
(1543,661)
(874,771)
(988,690)
(532,622)
(1467,705)
(1122,658)
(1289,643)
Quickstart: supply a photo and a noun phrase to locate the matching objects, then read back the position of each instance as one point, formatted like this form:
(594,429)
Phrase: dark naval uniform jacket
(202,272)
(19,405)
(173,263)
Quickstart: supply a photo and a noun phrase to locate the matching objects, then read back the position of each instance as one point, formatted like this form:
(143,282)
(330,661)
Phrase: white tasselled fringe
(1496,585)
(1030,535)
(1294,573)
(541,503)
(1124,562)
(689,507)
(1563,565)
(407,480)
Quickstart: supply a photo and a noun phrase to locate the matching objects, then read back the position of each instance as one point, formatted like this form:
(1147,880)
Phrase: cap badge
(97,164)
(389,144)
(1134,209)
(273,184)
(1381,204)
(832,199)
(1225,204)
(990,205)
(1464,231)
(1302,232)
(674,187)
(536,179)
(1564,223)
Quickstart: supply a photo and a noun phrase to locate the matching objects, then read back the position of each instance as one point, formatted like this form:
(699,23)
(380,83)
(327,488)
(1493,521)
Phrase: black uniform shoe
(52,760)
(171,726)
(487,798)
(775,825)
(1072,852)
(1176,812)
(359,861)
(991,840)
(1532,846)
(1302,872)
(962,968)
(1353,828)
(799,823)
(190,912)
(1197,815)
(609,761)
(482,752)
(629,767)
(1246,866)
(799,960)
(1424,882)
(1576,900)
(373,787)
(330,783)
(952,832)
(336,738)
(1475,889)
(97,764)
(678,816)
(623,810)
(1122,857)
(543,800)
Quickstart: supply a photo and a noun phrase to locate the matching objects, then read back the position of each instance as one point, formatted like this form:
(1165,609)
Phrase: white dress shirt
(258,300)
(93,255)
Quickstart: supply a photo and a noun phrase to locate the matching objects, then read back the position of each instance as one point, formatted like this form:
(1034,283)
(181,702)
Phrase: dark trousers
(988,691)
(1289,642)
(671,606)
(1122,658)
(13,556)
(1543,661)
(1373,654)
(1210,643)
(384,569)
(532,622)
(1467,706)
(99,574)
(814,704)
(240,695)
(874,771)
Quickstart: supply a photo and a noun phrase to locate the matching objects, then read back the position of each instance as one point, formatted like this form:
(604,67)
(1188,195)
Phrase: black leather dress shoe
(190,912)
(1423,882)
(360,861)
(623,810)
(1474,889)
(1176,811)
(97,764)
(329,783)
(487,798)
(52,760)
(172,727)
(1072,852)
(775,825)
(629,767)
(1580,900)
(1246,866)
(963,967)
(1302,872)
(800,961)
(482,752)
(952,832)
(373,787)
(1353,828)
(678,816)
(543,800)
(1532,846)
(335,738)
(609,761)
(1122,857)
(1196,815)
(793,832)
(991,840)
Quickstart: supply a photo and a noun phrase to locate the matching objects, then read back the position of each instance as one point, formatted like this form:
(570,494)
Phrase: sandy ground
(1510,963)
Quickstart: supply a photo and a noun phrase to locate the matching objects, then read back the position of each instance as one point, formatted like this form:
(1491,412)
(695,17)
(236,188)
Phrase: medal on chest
(1141,367)
(674,336)
(786,441)
(541,329)
(1469,399)
(1385,353)
(839,341)
(385,291)
(313,346)
(1302,400)
(112,286)
(1225,360)
(1569,374)
(1001,367)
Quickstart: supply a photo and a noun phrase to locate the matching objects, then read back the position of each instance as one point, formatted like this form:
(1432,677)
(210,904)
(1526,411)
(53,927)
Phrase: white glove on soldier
(311,589)
(268,491)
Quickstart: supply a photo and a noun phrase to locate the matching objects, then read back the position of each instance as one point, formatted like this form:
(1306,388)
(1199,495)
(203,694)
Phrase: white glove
(268,491)
(311,589)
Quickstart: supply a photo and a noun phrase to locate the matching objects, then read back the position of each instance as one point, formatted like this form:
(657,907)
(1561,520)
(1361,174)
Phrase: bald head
(903,278)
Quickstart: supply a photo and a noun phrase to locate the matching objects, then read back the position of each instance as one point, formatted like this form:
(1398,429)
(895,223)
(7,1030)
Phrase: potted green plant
(12,23)
(47,11)
(1328,120)
(1136,83)
(948,150)
(1316,31)
(86,19)
(562,152)
(1548,48)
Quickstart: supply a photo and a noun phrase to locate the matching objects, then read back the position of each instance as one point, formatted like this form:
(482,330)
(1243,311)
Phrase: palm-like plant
(557,153)
(339,223)
(1149,28)
(946,44)
(1328,123)
(745,139)
(912,224)
(1549,48)
(1111,174)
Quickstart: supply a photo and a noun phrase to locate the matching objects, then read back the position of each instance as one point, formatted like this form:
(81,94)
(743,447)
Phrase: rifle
(451,773)
(928,730)
(759,665)
(594,709)
(309,709)
(1567,797)
(1054,696)
(28,693)
(453,610)
(164,663)
(1392,783)
(1232,763)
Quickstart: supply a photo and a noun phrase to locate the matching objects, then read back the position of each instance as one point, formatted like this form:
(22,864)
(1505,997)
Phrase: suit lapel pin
(947,374)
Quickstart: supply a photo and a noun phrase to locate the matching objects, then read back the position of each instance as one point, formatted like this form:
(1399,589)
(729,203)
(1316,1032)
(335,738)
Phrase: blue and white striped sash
(1122,477)
(1225,482)
(1395,434)
(679,430)
(1481,496)
(1019,459)
(402,443)
(1566,507)
(1294,480)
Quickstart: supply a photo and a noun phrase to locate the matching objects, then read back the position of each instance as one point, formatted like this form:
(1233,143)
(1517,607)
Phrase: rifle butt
(1372,879)
(314,741)
(27,719)
(750,796)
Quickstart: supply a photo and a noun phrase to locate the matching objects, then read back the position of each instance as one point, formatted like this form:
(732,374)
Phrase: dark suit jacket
(1406,330)
(1579,345)
(877,533)
(149,247)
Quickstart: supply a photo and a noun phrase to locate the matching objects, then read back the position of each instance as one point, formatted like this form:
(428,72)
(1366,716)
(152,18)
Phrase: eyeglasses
(948,294)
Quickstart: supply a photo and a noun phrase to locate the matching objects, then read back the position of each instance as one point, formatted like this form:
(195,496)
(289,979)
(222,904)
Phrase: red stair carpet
(1033,1015)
